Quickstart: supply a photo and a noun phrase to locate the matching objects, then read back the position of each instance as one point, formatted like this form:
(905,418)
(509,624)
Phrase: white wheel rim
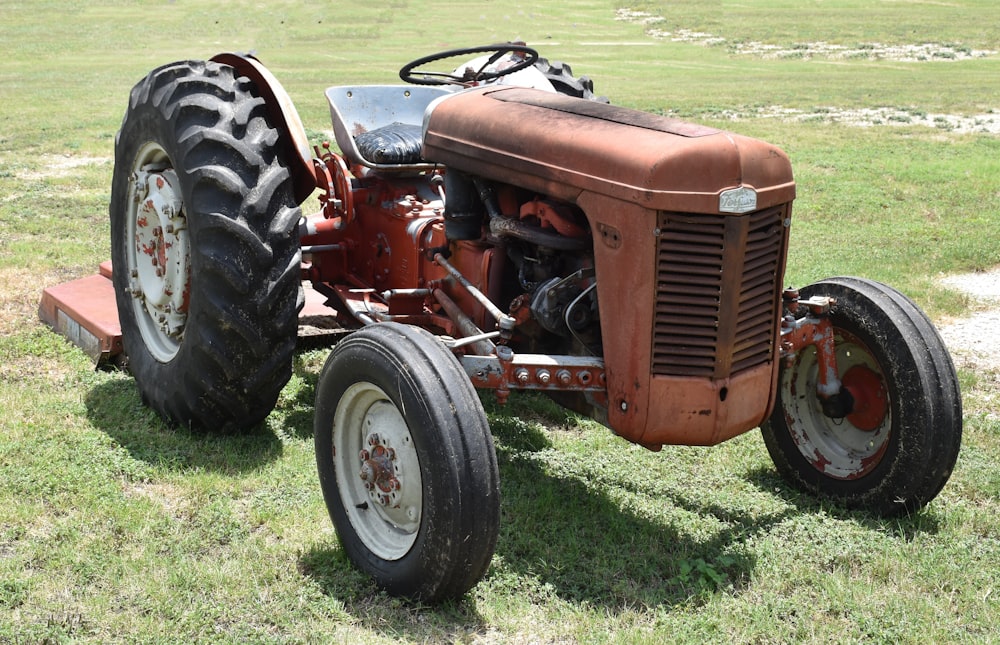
(158,252)
(378,472)
(835,447)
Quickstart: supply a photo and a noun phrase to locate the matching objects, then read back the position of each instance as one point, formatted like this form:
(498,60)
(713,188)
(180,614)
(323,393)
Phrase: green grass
(117,528)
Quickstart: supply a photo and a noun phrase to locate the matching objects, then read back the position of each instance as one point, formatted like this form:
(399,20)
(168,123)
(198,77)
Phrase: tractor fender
(283,115)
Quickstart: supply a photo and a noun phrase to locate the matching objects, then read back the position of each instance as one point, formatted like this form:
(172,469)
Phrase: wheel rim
(842,448)
(378,473)
(158,252)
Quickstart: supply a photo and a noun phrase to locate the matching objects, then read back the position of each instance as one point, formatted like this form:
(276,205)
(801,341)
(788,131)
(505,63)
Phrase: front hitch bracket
(814,329)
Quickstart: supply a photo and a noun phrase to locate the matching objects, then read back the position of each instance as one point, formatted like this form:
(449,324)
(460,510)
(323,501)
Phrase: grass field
(117,528)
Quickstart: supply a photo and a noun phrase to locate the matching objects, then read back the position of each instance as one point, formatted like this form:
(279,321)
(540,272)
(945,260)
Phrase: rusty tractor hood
(564,146)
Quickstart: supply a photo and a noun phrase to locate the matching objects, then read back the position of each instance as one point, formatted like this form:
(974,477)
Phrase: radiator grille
(717,292)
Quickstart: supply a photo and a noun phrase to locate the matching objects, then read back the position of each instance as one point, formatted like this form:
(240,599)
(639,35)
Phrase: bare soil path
(974,341)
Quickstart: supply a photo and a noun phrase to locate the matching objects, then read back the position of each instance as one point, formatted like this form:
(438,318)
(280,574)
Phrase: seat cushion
(396,143)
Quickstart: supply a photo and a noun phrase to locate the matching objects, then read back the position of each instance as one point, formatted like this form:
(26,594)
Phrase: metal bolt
(624,406)
(364,455)
(564,377)
(543,376)
(522,375)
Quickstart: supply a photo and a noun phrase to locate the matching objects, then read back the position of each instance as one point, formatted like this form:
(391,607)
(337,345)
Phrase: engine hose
(507,227)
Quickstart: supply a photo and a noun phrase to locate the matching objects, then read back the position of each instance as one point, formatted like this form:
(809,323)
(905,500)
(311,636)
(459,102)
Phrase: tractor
(497,226)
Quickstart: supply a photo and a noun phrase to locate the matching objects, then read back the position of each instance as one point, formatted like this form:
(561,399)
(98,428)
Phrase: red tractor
(499,227)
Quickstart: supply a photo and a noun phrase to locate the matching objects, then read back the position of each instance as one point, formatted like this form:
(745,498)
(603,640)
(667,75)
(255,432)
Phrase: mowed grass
(117,528)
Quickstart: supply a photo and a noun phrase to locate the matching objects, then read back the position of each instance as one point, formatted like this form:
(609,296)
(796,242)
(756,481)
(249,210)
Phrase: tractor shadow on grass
(906,527)
(580,528)
(574,530)
(114,407)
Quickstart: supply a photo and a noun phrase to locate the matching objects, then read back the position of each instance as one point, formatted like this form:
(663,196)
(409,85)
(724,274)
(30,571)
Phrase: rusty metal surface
(84,312)
(655,409)
(563,146)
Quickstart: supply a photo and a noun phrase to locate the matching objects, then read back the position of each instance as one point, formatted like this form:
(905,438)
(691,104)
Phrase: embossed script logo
(738,200)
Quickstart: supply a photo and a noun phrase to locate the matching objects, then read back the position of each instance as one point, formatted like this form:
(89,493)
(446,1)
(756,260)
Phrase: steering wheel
(470,76)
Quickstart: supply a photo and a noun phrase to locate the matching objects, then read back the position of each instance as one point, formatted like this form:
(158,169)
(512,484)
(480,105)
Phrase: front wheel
(406,462)
(893,451)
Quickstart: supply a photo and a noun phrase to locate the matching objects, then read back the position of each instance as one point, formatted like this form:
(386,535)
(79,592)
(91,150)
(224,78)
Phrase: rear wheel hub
(159,256)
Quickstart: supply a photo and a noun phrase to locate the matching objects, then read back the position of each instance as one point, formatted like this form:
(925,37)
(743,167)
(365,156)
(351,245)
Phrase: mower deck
(84,311)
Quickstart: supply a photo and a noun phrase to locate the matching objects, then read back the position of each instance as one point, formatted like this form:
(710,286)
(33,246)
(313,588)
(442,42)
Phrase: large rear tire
(204,247)
(406,462)
(895,449)
(561,76)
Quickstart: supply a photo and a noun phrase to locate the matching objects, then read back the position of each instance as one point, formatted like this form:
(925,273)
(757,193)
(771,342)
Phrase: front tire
(406,462)
(204,247)
(896,448)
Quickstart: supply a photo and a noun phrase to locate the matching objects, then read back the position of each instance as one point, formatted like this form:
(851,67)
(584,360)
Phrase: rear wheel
(895,448)
(204,247)
(561,76)
(406,462)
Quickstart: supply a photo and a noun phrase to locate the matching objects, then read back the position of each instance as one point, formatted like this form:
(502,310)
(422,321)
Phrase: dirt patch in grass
(918,52)
(20,293)
(974,341)
(987,123)
(167,496)
(53,166)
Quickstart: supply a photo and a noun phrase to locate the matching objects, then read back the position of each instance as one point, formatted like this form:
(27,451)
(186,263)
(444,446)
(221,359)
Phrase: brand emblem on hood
(738,200)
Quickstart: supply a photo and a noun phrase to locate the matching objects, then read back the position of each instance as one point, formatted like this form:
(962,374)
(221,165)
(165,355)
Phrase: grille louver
(717,292)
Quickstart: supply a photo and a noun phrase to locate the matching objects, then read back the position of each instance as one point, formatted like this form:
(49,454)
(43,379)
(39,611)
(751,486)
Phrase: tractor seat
(380,126)
(396,143)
